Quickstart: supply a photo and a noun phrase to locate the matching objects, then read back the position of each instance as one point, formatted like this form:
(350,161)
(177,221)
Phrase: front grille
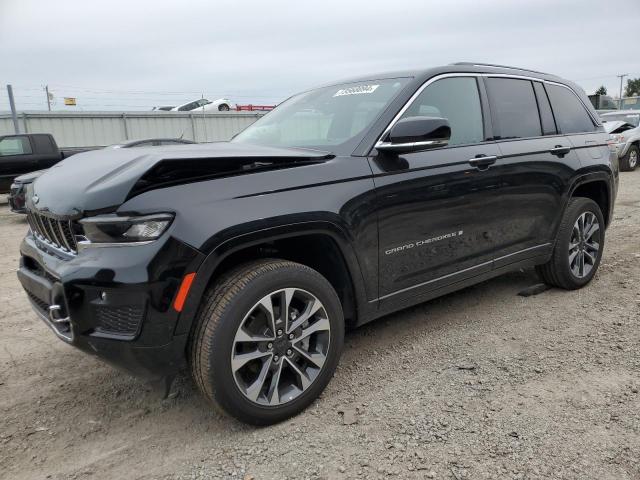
(58,233)
(119,320)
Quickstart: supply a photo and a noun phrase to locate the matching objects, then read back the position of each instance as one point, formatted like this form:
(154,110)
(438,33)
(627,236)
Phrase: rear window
(15,146)
(514,110)
(571,115)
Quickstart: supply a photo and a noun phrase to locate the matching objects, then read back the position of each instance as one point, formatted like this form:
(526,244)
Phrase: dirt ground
(479,384)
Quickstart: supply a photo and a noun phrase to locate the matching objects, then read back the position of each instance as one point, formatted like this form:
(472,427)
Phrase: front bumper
(114,303)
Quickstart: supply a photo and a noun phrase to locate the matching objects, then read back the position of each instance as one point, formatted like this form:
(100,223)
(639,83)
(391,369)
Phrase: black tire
(223,107)
(557,272)
(221,313)
(629,162)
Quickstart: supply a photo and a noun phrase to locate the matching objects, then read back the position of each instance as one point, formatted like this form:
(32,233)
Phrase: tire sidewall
(627,159)
(227,393)
(580,207)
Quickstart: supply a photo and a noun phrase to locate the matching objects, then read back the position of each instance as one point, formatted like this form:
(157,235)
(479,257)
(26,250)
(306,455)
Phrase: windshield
(632,119)
(330,118)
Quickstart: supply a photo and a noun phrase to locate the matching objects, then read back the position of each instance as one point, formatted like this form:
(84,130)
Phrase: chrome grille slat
(31,224)
(65,241)
(59,241)
(56,233)
(39,225)
(70,235)
(43,231)
(51,227)
(47,229)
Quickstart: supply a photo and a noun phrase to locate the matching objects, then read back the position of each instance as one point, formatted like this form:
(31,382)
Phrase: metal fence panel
(93,129)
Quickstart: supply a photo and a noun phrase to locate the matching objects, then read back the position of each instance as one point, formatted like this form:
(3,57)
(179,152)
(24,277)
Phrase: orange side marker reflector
(183,291)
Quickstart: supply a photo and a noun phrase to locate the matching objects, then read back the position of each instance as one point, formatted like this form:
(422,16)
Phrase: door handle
(482,162)
(560,151)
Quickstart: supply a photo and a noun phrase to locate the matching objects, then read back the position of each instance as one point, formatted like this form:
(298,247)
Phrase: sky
(136,54)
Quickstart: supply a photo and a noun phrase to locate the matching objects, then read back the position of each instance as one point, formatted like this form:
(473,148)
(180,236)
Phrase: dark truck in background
(25,153)
(246,260)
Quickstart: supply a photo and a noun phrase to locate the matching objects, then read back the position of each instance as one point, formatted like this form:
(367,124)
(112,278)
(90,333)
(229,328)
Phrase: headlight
(116,229)
(617,138)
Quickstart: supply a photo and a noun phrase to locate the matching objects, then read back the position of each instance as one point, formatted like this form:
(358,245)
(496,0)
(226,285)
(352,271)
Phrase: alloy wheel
(584,245)
(633,158)
(280,346)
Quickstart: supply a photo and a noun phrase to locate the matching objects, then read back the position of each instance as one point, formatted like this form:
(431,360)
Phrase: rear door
(534,169)
(434,206)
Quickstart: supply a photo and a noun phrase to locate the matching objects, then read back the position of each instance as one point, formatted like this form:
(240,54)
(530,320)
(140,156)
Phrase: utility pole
(46,89)
(14,114)
(621,77)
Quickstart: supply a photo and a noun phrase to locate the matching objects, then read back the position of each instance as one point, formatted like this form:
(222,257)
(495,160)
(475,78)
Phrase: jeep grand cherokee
(246,260)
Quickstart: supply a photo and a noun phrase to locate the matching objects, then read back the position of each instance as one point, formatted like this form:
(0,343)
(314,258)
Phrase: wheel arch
(595,186)
(321,245)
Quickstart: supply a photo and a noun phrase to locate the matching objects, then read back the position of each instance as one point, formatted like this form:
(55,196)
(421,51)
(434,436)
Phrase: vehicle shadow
(381,335)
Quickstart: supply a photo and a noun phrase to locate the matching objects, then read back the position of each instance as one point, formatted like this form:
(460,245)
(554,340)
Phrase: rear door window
(15,146)
(571,115)
(514,110)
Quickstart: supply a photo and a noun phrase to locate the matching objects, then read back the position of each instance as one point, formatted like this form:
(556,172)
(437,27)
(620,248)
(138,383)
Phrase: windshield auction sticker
(359,90)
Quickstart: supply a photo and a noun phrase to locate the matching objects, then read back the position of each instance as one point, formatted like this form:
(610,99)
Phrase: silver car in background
(624,127)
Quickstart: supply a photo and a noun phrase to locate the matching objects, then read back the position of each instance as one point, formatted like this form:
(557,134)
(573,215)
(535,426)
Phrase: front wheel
(223,108)
(267,340)
(579,245)
(629,162)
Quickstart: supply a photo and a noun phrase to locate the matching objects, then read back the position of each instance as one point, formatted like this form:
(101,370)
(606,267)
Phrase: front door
(436,207)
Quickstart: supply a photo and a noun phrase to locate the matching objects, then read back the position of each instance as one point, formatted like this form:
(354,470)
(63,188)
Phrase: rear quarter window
(570,114)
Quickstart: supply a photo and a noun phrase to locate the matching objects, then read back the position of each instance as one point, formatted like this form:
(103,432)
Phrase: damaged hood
(101,180)
(611,127)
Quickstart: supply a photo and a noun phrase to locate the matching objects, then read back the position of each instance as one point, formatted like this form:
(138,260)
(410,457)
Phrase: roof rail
(480,64)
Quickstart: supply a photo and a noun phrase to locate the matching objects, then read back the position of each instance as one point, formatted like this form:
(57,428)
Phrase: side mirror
(416,133)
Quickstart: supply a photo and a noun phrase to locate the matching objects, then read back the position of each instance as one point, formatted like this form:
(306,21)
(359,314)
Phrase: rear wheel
(629,162)
(268,340)
(578,250)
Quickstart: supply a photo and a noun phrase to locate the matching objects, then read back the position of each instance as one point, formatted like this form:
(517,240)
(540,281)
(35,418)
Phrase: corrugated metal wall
(93,129)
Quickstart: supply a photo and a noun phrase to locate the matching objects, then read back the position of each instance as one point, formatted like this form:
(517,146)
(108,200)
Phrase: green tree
(602,90)
(633,87)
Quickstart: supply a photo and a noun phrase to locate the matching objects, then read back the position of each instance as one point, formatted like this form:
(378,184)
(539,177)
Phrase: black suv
(246,260)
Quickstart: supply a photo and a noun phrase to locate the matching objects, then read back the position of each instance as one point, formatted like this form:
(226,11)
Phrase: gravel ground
(479,384)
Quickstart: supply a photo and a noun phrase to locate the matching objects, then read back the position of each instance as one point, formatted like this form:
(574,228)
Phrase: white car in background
(624,127)
(202,104)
